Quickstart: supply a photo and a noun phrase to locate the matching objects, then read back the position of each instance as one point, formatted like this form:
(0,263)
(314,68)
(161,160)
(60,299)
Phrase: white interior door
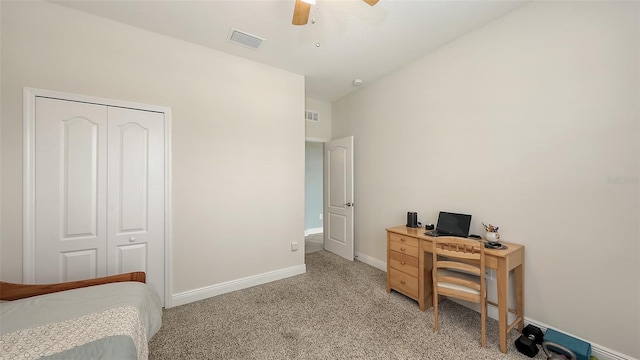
(339,201)
(70,212)
(136,194)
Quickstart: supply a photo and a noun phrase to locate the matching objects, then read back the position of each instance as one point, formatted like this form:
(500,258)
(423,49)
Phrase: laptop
(451,224)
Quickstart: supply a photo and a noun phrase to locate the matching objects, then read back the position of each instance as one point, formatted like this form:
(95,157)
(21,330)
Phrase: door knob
(132,239)
(349,204)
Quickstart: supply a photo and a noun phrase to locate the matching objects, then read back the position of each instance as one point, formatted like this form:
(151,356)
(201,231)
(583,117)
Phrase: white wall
(0,137)
(530,123)
(318,131)
(238,142)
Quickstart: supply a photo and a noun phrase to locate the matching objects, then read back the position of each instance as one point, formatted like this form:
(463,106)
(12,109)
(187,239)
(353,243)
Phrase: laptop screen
(453,224)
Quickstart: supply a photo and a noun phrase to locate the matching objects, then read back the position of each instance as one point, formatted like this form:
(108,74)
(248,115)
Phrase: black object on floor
(534,333)
(527,346)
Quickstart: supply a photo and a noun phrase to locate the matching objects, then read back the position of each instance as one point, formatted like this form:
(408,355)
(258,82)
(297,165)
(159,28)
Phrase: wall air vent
(312,115)
(244,39)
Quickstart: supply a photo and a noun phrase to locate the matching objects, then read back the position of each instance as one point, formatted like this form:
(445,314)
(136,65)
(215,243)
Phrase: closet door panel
(79,265)
(136,194)
(70,210)
(131,258)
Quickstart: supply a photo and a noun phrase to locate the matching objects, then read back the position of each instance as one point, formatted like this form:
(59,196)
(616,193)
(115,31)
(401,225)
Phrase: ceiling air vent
(312,115)
(244,39)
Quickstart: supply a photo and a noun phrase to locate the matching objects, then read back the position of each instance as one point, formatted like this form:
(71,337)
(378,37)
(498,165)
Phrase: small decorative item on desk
(491,232)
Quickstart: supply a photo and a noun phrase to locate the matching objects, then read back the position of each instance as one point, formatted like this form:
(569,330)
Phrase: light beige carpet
(313,243)
(337,310)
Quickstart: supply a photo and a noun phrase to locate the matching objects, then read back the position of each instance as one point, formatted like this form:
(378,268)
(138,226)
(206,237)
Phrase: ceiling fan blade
(301,13)
(371,2)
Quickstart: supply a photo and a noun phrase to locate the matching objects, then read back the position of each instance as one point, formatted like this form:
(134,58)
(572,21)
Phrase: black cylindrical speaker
(412,219)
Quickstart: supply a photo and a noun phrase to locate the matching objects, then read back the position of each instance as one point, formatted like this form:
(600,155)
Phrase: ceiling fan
(303,7)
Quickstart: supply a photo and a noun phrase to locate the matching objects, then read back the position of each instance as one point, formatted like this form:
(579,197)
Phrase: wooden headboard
(11,291)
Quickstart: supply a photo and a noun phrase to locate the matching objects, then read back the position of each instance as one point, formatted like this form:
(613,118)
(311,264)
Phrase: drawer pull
(403,249)
(402,282)
(402,239)
(402,263)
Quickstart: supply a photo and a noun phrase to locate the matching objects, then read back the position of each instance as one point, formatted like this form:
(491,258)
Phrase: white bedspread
(66,321)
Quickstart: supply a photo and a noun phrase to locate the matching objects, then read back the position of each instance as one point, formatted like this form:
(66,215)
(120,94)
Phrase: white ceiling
(356,41)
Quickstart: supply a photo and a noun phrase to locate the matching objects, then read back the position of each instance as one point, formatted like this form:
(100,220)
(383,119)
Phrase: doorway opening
(314,197)
(330,194)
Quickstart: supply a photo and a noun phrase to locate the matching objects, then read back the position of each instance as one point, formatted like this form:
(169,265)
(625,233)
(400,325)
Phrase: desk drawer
(403,283)
(404,263)
(403,239)
(404,248)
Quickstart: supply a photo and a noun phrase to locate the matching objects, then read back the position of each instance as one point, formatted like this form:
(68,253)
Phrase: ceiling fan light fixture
(302,9)
(301,12)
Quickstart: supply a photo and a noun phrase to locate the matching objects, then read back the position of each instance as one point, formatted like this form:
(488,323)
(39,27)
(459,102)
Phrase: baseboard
(371,261)
(599,351)
(312,231)
(234,285)
(492,310)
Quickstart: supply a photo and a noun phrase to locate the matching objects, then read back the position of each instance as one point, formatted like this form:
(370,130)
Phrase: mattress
(110,321)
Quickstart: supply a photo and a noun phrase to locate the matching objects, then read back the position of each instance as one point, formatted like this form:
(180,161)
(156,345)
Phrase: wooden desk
(503,261)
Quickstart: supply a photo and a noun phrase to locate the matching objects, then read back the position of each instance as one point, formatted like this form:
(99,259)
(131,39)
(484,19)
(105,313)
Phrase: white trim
(28,186)
(168,228)
(313,231)
(28,243)
(315,140)
(234,285)
(492,310)
(381,265)
(599,351)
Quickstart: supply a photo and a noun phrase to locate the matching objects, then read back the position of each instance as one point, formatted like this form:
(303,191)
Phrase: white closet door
(99,192)
(136,194)
(70,191)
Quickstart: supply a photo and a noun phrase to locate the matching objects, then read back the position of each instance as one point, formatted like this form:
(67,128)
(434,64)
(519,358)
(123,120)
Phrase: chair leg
(435,310)
(483,321)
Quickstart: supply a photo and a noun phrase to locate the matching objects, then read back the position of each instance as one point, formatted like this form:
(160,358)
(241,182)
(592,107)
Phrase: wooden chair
(458,272)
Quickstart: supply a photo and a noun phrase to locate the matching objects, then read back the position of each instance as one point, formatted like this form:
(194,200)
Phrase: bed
(112,317)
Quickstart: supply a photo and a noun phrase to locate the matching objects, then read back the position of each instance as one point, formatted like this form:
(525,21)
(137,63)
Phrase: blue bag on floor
(582,349)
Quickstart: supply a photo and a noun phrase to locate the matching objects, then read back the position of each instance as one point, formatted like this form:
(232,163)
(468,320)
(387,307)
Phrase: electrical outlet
(320,216)
(294,246)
